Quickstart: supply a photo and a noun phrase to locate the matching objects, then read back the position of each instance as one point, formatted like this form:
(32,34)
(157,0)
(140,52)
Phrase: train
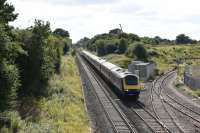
(123,81)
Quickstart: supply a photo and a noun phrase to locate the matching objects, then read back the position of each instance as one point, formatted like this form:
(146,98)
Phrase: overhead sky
(165,18)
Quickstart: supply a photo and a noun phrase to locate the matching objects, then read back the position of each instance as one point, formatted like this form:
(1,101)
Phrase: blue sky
(166,18)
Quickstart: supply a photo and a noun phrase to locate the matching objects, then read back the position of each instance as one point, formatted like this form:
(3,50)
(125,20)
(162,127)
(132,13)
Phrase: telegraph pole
(121,28)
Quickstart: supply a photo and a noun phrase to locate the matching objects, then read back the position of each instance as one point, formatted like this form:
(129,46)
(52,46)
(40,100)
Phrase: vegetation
(183,39)
(120,48)
(62,111)
(140,52)
(119,59)
(9,51)
(40,88)
(123,45)
(61,32)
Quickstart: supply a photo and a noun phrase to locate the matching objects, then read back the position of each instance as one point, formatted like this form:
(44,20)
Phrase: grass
(62,112)
(167,56)
(67,113)
(120,60)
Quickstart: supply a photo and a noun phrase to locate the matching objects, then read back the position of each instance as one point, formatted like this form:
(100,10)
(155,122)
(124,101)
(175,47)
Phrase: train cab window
(131,80)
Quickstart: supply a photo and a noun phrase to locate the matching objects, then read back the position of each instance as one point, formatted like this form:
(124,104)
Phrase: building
(144,70)
(192,77)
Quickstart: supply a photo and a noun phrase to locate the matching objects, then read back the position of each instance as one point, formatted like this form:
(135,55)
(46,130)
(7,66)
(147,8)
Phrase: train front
(132,86)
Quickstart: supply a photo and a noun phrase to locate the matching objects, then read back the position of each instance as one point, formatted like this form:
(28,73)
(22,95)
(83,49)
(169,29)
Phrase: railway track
(170,102)
(162,117)
(154,124)
(151,122)
(115,115)
(192,112)
(162,111)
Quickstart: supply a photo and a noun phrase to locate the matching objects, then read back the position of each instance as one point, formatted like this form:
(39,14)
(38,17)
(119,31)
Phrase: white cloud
(89,17)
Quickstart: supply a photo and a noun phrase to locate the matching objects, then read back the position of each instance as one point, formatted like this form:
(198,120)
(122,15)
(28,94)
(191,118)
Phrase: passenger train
(124,82)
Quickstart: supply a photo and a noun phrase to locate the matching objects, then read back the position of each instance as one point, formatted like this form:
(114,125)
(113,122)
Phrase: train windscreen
(131,80)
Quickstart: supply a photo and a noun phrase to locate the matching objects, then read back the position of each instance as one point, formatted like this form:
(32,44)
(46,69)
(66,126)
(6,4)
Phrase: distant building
(192,77)
(144,70)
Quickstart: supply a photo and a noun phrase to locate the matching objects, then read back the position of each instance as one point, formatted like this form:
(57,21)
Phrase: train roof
(118,71)
(98,59)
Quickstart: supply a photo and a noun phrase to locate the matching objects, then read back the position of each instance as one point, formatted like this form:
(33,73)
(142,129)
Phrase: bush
(9,82)
(140,52)
(110,48)
(100,48)
(123,44)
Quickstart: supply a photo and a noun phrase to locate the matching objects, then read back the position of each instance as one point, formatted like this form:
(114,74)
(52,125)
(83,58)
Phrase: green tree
(6,12)
(157,40)
(148,40)
(61,32)
(66,47)
(39,65)
(9,51)
(122,47)
(140,52)
(110,48)
(100,48)
(183,39)
(133,37)
(84,42)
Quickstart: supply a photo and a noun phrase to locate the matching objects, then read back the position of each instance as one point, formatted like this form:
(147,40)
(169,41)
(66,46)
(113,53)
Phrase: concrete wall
(192,82)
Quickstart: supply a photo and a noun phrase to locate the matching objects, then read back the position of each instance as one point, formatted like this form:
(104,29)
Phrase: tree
(6,12)
(100,48)
(110,48)
(39,65)
(157,39)
(148,40)
(140,52)
(133,37)
(183,39)
(61,32)
(123,44)
(84,42)
(9,51)
(66,48)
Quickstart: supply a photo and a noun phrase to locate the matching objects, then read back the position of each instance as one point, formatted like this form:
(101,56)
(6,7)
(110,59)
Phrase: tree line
(130,44)
(28,58)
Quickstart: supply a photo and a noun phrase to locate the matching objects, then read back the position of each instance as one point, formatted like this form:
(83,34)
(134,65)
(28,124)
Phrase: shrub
(140,52)
(9,81)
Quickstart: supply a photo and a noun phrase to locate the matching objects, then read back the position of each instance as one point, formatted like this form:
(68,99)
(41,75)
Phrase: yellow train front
(131,85)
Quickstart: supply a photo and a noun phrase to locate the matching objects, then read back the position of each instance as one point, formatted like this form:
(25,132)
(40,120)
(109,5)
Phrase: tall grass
(64,110)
